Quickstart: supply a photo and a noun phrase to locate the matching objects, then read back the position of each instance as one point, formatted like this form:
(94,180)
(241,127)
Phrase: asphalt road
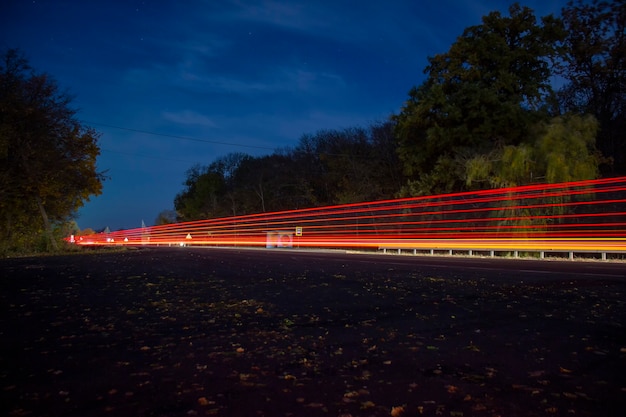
(522,269)
(253,332)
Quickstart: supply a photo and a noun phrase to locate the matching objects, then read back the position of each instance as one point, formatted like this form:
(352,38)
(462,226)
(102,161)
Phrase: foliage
(487,90)
(330,167)
(47,158)
(199,198)
(594,65)
(165,217)
(559,151)
(86,232)
(567,149)
(351,165)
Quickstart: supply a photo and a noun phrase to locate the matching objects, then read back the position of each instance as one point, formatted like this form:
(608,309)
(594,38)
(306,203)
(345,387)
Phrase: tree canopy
(487,90)
(489,107)
(560,150)
(47,157)
(594,65)
(329,167)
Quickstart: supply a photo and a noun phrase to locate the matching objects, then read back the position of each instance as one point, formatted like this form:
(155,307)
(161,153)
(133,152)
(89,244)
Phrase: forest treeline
(515,100)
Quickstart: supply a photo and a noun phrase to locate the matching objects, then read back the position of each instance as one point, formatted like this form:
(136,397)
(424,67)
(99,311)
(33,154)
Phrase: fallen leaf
(204,402)
(397,411)
(367,404)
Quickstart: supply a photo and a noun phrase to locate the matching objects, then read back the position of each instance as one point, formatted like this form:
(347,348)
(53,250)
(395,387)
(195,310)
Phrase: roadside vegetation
(47,159)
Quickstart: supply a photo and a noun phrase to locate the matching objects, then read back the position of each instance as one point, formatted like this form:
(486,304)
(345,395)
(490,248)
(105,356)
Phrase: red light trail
(573,216)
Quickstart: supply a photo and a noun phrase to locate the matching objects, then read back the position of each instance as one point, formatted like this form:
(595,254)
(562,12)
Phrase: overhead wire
(209,141)
(146,156)
(215,142)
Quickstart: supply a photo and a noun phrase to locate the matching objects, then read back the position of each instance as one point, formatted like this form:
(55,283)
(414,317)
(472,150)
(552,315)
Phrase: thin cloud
(269,80)
(188,117)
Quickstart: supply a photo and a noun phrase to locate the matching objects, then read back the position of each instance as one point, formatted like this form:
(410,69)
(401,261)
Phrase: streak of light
(574,216)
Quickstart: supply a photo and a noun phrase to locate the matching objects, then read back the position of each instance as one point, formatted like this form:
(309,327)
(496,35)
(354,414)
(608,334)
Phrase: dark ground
(195,332)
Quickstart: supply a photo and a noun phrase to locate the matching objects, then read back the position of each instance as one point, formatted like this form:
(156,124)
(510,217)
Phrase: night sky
(170,84)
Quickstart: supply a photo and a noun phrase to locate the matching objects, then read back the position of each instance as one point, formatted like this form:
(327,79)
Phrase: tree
(329,167)
(47,157)
(594,65)
(349,165)
(267,183)
(204,189)
(560,150)
(487,90)
(165,217)
(388,169)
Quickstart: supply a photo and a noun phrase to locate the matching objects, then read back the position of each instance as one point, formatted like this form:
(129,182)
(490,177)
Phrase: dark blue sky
(234,75)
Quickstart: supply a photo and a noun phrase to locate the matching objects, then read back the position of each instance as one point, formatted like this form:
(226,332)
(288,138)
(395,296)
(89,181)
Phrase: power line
(145,156)
(177,136)
(205,141)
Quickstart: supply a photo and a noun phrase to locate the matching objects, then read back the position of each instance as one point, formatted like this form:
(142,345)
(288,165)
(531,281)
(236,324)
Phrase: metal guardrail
(516,249)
